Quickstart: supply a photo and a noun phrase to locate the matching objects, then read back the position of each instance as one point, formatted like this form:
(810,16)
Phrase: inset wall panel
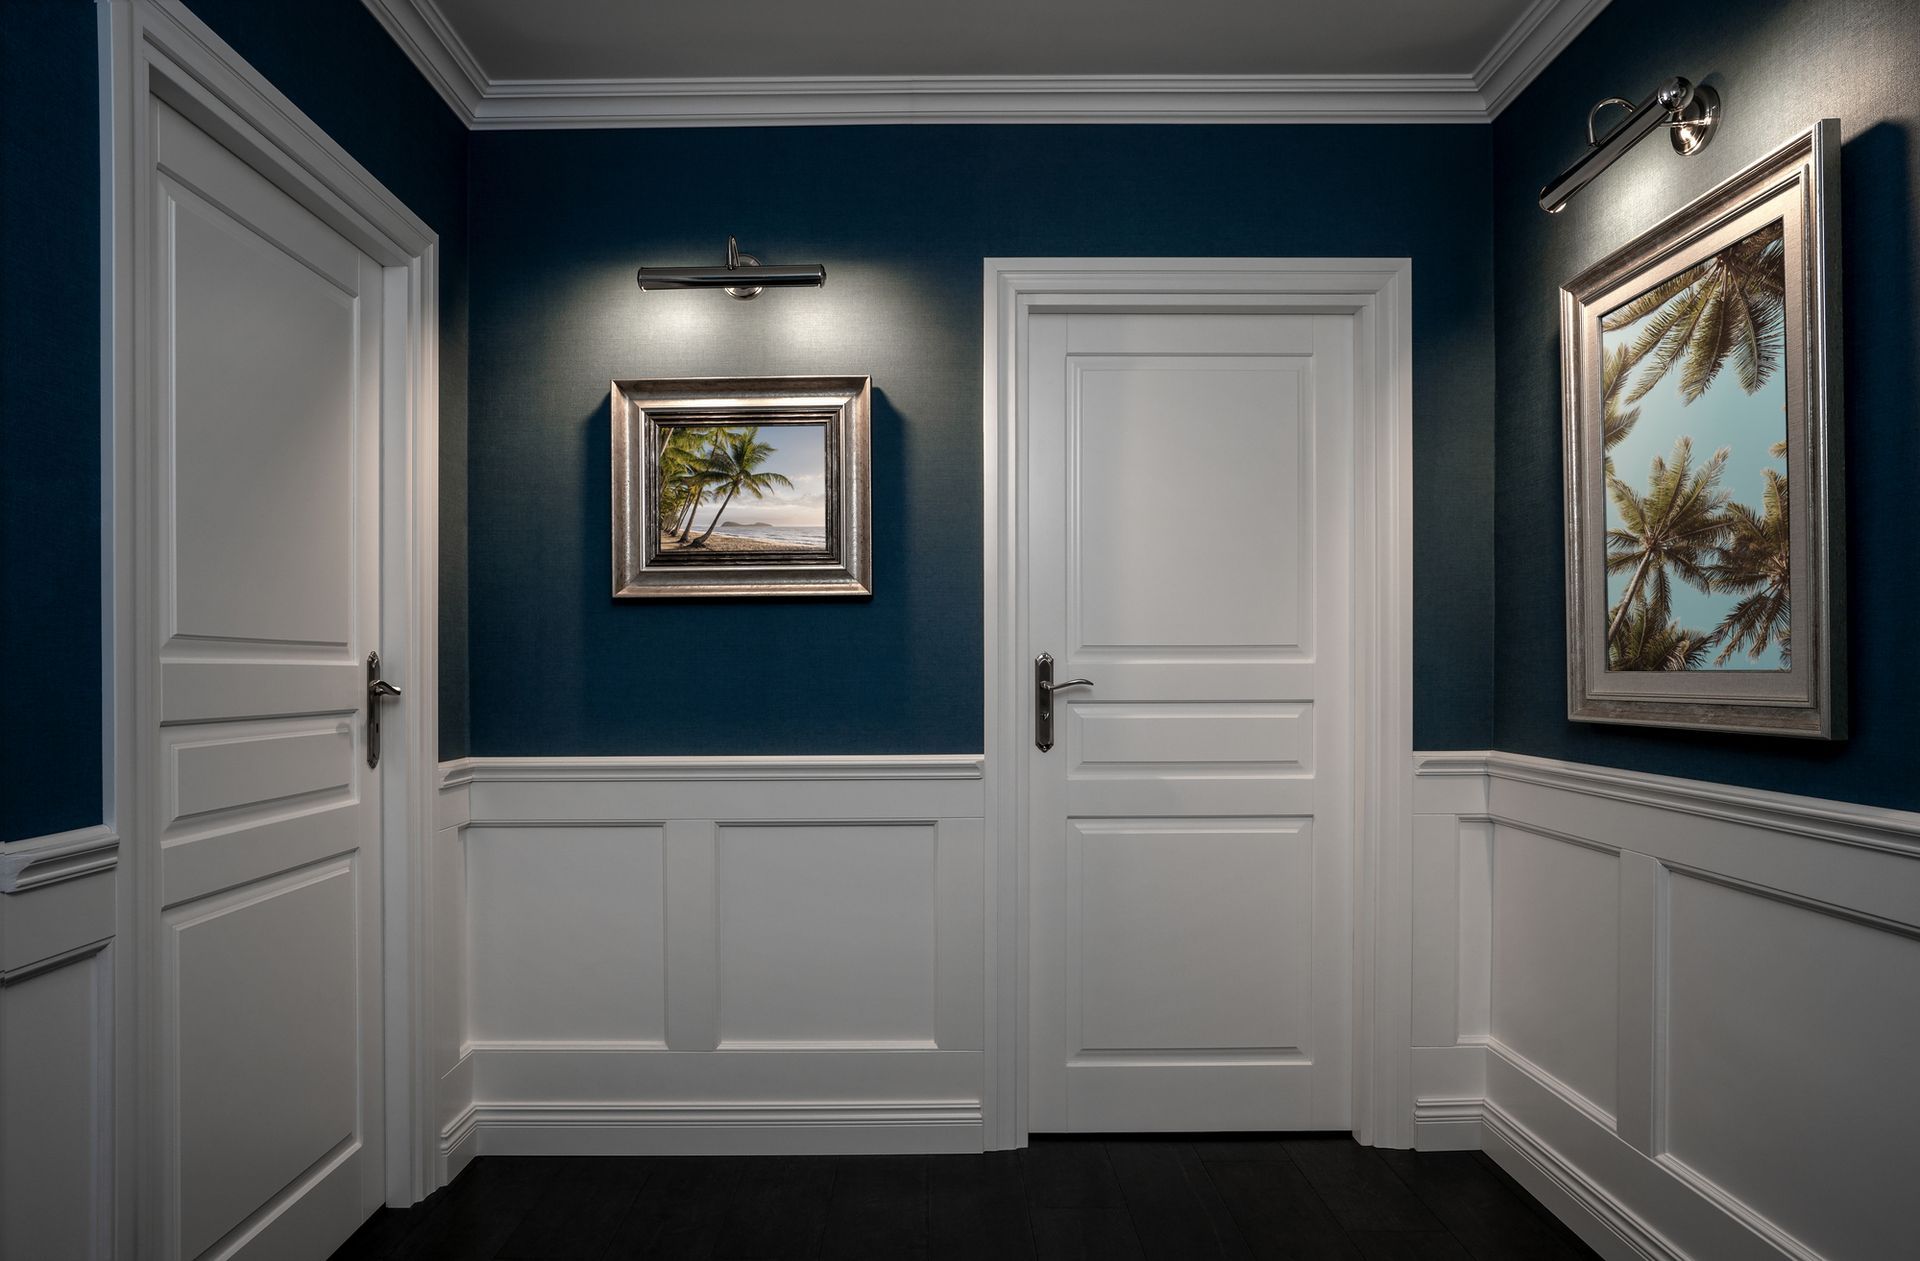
(1792,1037)
(567,933)
(1556,959)
(826,933)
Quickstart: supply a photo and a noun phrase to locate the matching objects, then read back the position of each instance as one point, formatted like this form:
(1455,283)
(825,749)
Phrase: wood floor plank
(585,1199)
(977,1207)
(1279,1213)
(878,1209)
(679,1211)
(777,1209)
(1357,1185)
(1493,1221)
(483,1208)
(1166,1192)
(1411,1245)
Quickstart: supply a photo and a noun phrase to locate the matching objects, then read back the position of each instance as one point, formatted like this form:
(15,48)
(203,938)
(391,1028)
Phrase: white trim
(1379,293)
(1812,818)
(1529,47)
(159,47)
(45,860)
(716,1128)
(434,44)
(737,770)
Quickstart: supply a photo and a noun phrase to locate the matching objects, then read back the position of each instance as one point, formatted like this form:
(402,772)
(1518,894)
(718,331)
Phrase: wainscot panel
(1678,1012)
(711,955)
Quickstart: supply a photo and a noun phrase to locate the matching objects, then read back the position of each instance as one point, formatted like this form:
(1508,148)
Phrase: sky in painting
(1725,416)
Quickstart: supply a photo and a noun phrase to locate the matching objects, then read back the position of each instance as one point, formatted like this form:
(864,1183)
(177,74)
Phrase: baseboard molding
(711,1129)
(1608,1226)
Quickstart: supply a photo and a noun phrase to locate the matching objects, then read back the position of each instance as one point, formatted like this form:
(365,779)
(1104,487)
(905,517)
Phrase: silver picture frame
(1803,693)
(836,558)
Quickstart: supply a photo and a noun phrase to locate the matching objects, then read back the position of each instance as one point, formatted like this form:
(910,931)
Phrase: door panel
(1188,547)
(266,389)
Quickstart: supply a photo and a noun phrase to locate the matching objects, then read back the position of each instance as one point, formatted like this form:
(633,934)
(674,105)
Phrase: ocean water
(809,535)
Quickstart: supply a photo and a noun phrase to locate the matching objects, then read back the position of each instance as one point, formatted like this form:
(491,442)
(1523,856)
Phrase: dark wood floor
(1299,1198)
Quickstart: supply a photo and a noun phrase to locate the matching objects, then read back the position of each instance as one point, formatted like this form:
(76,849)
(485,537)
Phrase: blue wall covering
(902,217)
(50,766)
(335,63)
(1779,65)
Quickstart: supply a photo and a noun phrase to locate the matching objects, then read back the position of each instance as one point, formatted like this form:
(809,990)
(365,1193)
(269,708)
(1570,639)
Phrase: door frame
(1378,293)
(158,49)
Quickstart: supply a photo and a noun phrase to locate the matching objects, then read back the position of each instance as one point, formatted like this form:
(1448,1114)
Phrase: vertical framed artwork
(742,486)
(1702,405)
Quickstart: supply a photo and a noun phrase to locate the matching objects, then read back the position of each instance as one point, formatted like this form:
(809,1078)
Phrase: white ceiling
(625,39)
(691,63)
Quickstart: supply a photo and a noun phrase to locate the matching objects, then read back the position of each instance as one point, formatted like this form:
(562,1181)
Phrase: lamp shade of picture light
(743,276)
(1689,112)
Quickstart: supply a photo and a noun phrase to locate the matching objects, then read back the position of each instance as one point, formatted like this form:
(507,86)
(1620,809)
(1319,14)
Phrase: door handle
(1043,689)
(377,688)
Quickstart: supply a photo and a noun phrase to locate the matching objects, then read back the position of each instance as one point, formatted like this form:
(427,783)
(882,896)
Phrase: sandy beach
(718,542)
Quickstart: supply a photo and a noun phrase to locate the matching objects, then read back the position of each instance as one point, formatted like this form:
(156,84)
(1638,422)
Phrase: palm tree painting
(741,489)
(1694,419)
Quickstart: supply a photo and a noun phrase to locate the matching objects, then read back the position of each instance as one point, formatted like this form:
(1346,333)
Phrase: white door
(262,903)
(1187,538)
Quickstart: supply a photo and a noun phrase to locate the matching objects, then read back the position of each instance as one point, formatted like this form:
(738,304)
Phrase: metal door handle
(1043,689)
(377,688)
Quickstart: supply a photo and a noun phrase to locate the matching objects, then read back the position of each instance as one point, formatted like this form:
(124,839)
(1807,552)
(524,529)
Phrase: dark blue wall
(902,217)
(336,63)
(1779,65)
(50,758)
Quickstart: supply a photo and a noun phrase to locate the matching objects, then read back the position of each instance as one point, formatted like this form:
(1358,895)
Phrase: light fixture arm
(738,268)
(1689,112)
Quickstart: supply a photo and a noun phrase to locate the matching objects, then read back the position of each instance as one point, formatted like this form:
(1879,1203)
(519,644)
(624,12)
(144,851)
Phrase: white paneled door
(261,906)
(1188,552)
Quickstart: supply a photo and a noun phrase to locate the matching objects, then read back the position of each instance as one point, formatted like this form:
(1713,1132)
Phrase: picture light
(1689,112)
(743,277)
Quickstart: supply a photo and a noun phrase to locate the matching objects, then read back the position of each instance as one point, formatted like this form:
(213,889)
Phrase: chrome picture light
(1690,113)
(743,276)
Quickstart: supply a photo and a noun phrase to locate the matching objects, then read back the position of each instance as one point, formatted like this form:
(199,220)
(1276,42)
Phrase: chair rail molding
(424,32)
(1602,959)
(45,860)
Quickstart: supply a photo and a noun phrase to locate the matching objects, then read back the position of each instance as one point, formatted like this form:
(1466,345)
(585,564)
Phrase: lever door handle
(377,688)
(1043,689)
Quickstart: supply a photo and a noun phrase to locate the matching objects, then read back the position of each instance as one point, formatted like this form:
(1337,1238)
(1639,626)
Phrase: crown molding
(424,33)
(1529,47)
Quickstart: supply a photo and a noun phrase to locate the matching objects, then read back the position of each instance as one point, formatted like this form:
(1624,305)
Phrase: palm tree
(733,466)
(1616,421)
(682,476)
(1754,562)
(1677,525)
(1731,307)
(1648,642)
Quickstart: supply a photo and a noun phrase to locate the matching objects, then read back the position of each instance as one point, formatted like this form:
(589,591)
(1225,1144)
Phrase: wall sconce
(739,268)
(1690,114)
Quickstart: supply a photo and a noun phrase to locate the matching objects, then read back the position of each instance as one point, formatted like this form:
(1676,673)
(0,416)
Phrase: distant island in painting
(1694,410)
(777,471)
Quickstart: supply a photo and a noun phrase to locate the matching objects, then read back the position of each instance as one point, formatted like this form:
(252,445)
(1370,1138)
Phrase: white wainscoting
(1682,1014)
(709,955)
(57,958)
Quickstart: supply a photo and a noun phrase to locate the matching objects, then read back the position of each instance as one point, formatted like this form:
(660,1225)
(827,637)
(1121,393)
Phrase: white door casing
(1374,297)
(247,258)
(1188,546)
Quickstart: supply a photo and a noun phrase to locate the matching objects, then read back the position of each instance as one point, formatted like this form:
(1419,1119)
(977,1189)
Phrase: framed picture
(1701,378)
(742,486)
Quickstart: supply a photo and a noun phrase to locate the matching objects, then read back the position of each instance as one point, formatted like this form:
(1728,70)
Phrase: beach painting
(729,490)
(742,487)
(1705,511)
(1694,398)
